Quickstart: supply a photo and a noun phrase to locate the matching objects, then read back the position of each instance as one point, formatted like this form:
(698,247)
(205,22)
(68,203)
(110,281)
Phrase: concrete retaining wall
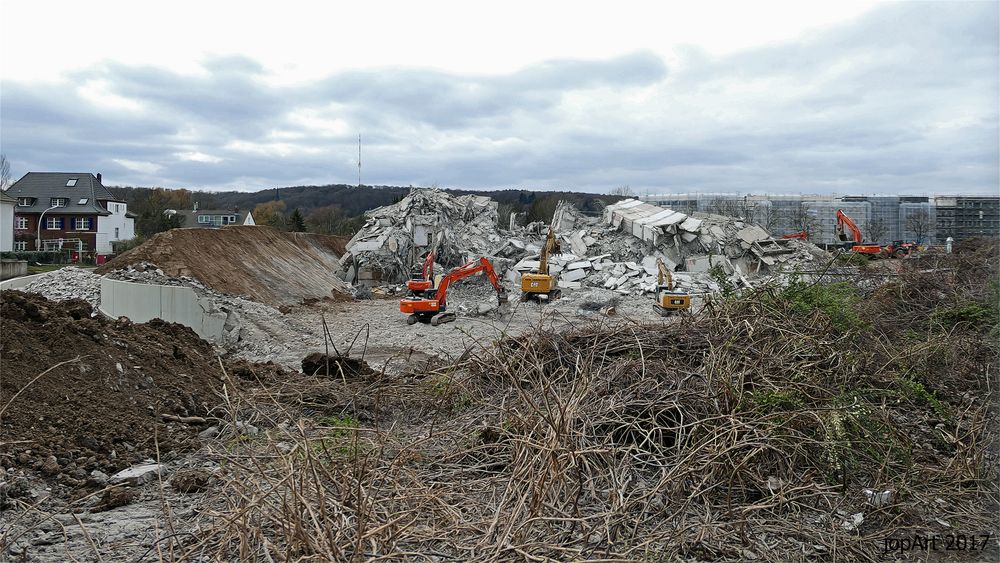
(13,268)
(144,302)
(19,283)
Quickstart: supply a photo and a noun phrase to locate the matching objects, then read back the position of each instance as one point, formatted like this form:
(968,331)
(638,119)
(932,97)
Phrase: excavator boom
(431,306)
(541,285)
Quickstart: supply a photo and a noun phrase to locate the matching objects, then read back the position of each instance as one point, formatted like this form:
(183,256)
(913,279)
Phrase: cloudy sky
(811,97)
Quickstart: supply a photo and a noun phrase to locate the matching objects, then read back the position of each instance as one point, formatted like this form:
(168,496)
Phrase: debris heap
(619,250)
(394,237)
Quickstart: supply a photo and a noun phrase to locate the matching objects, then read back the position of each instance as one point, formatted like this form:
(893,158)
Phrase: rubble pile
(619,251)
(68,283)
(394,237)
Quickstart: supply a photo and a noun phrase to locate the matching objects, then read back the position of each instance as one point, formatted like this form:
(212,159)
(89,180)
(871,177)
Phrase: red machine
(426,280)
(871,250)
(430,305)
(801,235)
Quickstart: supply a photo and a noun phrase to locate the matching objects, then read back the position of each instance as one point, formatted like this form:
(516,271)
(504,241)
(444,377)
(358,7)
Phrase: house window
(58,202)
(204,219)
(53,223)
(21,223)
(20,246)
(25,201)
(116,233)
(71,182)
(83,224)
(83,201)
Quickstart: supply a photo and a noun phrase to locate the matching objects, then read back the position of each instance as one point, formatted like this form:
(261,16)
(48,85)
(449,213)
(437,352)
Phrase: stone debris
(394,238)
(68,283)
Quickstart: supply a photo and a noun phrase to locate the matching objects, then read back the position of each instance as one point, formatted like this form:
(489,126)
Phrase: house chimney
(196,206)
(98,177)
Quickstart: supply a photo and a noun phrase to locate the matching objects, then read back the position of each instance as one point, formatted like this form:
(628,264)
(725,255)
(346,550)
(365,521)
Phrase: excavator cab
(422,280)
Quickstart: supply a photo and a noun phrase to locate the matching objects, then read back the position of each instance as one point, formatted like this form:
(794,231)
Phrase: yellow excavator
(668,300)
(541,286)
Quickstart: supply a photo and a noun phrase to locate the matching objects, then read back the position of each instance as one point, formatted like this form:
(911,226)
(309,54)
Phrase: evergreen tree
(296,223)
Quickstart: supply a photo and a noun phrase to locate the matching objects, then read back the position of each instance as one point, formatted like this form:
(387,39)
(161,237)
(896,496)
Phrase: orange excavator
(870,250)
(425,281)
(801,235)
(430,305)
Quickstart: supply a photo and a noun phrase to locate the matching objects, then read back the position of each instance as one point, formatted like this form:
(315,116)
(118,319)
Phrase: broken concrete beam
(689,237)
(649,265)
(632,266)
(578,265)
(569,284)
(573,275)
(527,265)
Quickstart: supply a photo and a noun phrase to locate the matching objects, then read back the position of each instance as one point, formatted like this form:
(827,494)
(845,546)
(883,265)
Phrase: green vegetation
(835,300)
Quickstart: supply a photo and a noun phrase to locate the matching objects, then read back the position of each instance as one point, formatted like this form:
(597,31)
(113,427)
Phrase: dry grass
(749,431)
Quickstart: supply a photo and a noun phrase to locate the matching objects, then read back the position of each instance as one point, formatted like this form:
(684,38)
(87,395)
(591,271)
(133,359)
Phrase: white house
(7,204)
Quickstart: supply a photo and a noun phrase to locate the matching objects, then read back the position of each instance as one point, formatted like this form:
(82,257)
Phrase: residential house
(75,210)
(7,204)
(215,218)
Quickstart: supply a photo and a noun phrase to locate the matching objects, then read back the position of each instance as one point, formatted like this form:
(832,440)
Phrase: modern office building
(882,219)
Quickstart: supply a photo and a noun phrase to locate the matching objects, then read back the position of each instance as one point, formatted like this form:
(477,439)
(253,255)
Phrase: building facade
(7,204)
(74,211)
(882,219)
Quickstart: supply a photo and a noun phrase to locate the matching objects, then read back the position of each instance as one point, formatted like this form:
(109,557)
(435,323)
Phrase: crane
(668,300)
(430,305)
(844,220)
(541,285)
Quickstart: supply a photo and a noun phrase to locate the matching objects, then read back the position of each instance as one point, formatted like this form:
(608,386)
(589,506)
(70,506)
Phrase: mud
(260,263)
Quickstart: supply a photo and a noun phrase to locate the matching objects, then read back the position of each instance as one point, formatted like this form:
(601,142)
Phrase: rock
(50,466)
(210,432)
(247,428)
(137,474)
(99,476)
(191,480)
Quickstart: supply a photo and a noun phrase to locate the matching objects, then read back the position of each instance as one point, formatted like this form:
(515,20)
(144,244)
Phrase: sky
(778,97)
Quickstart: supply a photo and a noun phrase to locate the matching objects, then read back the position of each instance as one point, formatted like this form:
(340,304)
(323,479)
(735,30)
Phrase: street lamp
(38,242)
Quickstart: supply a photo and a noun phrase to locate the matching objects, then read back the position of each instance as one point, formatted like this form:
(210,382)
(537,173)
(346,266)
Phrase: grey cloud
(903,98)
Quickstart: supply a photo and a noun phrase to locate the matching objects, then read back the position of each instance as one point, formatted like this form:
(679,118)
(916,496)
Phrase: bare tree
(623,190)
(876,229)
(919,223)
(801,218)
(4,173)
(766,216)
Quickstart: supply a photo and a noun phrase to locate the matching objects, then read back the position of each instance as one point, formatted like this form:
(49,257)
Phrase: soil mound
(102,408)
(261,263)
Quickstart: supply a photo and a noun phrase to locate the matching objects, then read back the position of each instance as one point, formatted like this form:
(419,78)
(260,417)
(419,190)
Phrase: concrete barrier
(13,268)
(19,283)
(144,302)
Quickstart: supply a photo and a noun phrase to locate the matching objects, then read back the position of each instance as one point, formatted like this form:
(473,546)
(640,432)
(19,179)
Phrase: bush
(35,257)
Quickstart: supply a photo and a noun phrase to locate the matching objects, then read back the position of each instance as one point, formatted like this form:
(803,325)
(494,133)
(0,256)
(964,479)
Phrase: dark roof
(46,185)
(6,198)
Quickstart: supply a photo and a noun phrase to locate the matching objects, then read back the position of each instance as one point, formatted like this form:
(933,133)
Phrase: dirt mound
(101,404)
(261,263)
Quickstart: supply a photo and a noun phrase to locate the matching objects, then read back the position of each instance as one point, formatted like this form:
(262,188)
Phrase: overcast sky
(793,97)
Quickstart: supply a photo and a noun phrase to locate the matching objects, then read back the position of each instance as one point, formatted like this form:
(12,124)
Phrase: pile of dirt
(81,393)
(261,263)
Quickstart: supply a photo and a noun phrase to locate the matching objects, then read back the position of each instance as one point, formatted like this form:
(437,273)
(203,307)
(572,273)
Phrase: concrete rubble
(616,251)
(619,250)
(68,283)
(395,237)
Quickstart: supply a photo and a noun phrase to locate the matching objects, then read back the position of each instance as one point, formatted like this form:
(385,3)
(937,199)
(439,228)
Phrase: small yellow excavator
(668,300)
(541,286)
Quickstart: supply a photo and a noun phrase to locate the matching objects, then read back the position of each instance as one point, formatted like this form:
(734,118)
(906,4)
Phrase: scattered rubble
(68,283)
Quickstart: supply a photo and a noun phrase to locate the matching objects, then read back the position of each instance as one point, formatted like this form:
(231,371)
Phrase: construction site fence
(177,304)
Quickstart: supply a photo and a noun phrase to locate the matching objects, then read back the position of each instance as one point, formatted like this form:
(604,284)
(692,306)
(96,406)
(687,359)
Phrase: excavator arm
(664,277)
(842,220)
(551,245)
(466,270)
